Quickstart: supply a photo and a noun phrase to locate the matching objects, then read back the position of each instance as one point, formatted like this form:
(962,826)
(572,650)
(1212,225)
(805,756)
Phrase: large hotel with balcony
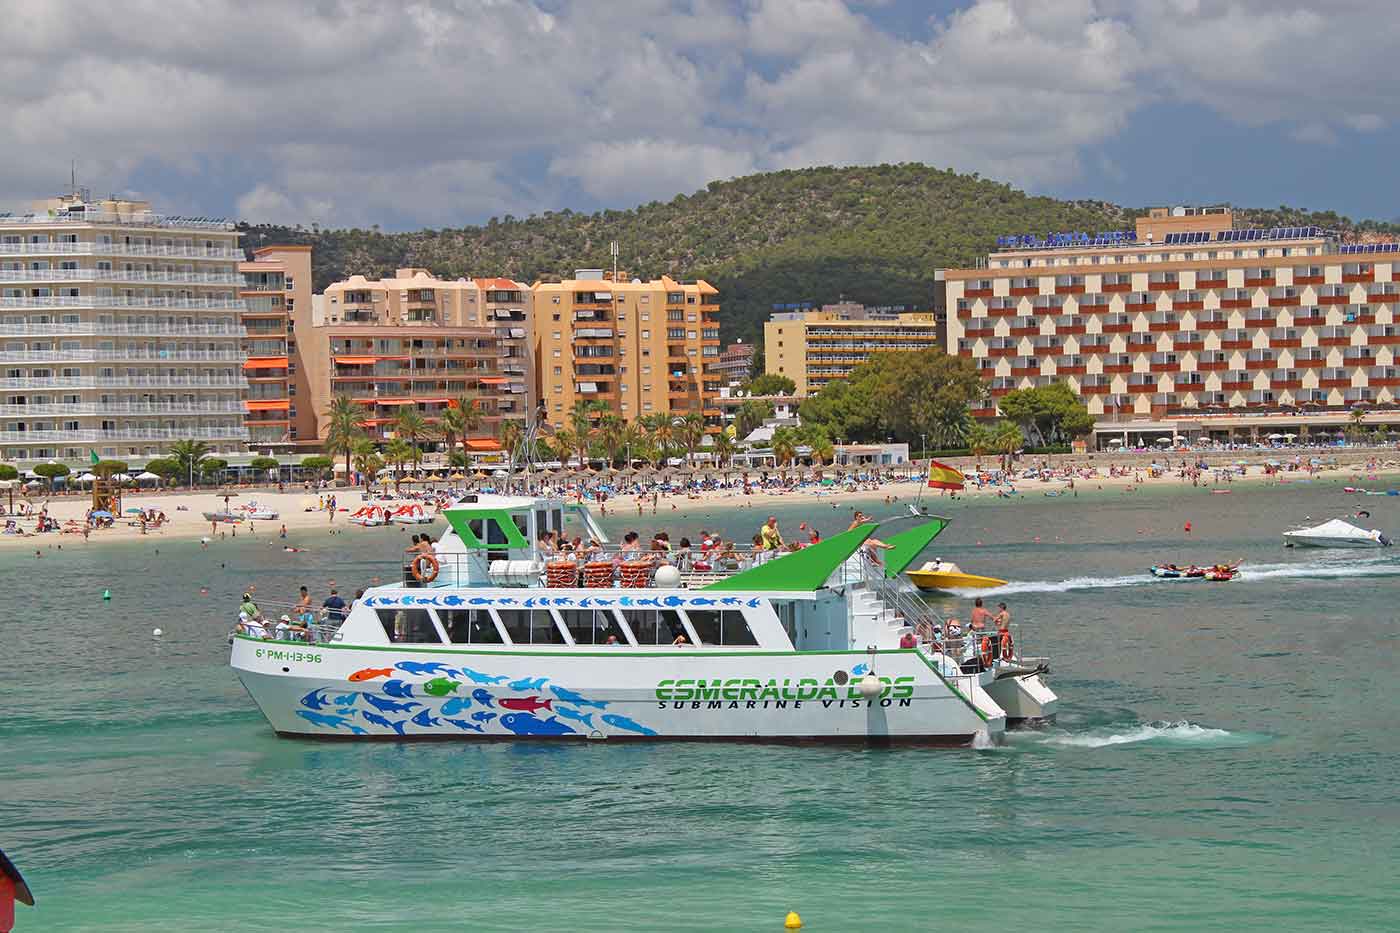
(1187,326)
(814,347)
(121,331)
(639,348)
(416,340)
(275,284)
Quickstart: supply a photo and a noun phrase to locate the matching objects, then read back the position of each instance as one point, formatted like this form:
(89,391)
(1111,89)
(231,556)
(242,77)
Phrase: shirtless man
(1002,618)
(980,616)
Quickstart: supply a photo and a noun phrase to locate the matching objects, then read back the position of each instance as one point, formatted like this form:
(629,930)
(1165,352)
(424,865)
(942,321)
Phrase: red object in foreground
(12,888)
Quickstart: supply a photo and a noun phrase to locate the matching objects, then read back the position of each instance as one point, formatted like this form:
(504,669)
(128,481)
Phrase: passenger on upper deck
(771,539)
(335,607)
(980,616)
(631,548)
(250,608)
(1002,618)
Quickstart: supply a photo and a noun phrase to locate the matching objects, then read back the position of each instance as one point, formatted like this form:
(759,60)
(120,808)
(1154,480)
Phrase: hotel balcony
(95,407)
(123,382)
(231,432)
(211,279)
(101,329)
(134,355)
(120,249)
(152,302)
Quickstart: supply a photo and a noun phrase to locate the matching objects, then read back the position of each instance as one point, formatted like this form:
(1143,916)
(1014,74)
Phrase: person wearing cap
(250,608)
(249,627)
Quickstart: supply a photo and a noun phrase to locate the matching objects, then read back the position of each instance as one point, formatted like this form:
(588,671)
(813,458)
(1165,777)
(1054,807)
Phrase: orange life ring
(1008,648)
(986,647)
(417,568)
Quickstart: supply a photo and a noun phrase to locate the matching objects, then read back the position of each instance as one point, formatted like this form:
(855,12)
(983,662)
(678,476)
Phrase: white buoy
(870,686)
(157,632)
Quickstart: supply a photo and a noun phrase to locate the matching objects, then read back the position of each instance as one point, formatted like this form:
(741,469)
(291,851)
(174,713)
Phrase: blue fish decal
(506,601)
(397,688)
(381,721)
(860,669)
(315,700)
(622,722)
(529,602)
(477,677)
(482,697)
(649,601)
(524,684)
(479,601)
(602,602)
(702,601)
(731,601)
(347,699)
(754,603)
(624,600)
(322,719)
(568,696)
(426,668)
(483,716)
(463,724)
(673,601)
(528,724)
(452,600)
(575,715)
(585,603)
(455,705)
(390,706)
(424,719)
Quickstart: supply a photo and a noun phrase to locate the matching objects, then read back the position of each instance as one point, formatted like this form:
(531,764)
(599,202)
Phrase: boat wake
(1317,569)
(1182,733)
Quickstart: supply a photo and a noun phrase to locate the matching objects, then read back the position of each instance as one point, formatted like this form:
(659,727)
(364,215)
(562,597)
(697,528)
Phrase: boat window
(408,625)
(469,626)
(589,627)
(526,627)
(654,627)
(723,627)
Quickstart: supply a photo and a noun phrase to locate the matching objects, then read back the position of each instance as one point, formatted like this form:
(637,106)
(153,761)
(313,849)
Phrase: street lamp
(923,444)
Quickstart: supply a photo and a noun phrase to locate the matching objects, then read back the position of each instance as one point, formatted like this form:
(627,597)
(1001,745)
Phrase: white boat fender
(870,686)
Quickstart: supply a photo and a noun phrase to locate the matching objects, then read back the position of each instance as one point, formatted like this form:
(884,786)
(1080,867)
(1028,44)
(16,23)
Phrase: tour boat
(411,513)
(489,637)
(946,575)
(1335,533)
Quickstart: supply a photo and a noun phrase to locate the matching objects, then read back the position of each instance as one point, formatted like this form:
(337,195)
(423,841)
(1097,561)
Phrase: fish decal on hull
(526,704)
(464,725)
(397,688)
(315,700)
(370,673)
(568,696)
(426,668)
(346,699)
(482,697)
(323,719)
(483,716)
(524,684)
(390,706)
(442,686)
(424,719)
(576,716)
(860,669)
(477,677)
(622,722)
(381,721)
(526,724)
(455,705)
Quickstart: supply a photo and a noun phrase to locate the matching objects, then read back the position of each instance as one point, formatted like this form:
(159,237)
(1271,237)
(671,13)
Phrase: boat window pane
(706,625)
(516,622)
(736,629)
(469,626)
(645,626)
(721,627)
(589,627)
(543,631)
(408,625)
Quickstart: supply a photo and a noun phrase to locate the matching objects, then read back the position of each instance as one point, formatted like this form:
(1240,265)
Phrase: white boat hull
(1302,540)
(609,693)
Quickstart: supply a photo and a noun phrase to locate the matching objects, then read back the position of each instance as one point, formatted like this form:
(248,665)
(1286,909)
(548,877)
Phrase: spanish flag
(942,476)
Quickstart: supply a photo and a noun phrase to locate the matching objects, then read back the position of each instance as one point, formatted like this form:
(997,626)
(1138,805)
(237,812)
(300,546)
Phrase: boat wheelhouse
(491,637)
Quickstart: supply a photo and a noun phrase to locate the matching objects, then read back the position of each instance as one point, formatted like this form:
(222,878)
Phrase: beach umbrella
(86,478)
(457,476)
(102,513)
(147,477)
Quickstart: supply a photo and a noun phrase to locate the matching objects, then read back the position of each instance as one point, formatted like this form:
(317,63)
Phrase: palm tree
(979,440)
(634,440)
(612,432)
(367,459)
(691,432)
(398,452)
(413,427)
(784,446)
(189,454)
(725,446)
(823,451)
(660,433)
(510,434)
(581,427)
(345,425)
(563,443)
(1006,440)
(950,427)
(461,417)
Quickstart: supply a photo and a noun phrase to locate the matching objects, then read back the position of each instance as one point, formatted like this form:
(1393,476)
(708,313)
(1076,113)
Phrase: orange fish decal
(370,673)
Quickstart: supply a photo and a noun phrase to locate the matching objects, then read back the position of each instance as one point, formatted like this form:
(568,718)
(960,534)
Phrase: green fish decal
(441,686)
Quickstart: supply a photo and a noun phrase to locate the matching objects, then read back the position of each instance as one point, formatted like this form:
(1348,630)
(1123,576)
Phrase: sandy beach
(299,510)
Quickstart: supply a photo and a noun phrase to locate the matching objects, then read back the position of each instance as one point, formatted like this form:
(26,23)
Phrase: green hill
(873,234)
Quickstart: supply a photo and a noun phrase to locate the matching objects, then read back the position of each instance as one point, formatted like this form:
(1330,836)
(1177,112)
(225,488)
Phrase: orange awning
(355,360)
(493,380)
(434,401)
(276,404)
(481,443)
(393,401)
(265,362)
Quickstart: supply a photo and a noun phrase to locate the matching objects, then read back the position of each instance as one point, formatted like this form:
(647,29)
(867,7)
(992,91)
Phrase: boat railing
(604,566)
(322,624)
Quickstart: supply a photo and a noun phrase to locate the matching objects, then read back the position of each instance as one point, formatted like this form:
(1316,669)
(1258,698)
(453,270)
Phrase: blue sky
(447,112)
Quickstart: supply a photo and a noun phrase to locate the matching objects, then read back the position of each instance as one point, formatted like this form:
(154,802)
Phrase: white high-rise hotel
(120,330)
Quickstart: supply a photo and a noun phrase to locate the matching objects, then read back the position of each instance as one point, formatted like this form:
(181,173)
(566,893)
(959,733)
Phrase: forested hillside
(873,233)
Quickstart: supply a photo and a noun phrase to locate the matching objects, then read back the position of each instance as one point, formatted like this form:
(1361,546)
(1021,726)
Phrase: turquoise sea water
(1224,758)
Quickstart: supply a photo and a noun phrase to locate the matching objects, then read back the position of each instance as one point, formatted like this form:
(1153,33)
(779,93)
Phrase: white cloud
(446,111)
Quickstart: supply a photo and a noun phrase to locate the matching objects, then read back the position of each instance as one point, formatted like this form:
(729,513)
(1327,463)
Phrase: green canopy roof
(909,543)
(799,571)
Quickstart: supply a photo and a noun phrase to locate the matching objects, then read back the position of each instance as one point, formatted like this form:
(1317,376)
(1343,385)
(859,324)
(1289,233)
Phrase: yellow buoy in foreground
(793,922)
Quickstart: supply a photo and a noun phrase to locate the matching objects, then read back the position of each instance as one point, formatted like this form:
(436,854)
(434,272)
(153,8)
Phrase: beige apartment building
(814,347)
(275,284)
(416,340)
(640,348)
(1188,326)
(121,331)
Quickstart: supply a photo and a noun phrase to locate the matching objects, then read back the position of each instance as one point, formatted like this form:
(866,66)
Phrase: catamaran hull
(331,691)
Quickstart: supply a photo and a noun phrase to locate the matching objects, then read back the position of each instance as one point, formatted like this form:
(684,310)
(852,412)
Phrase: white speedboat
(254,512)
(490,638)
(1335,533)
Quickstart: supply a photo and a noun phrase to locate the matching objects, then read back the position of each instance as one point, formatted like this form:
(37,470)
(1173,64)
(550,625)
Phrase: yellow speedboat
(946,575)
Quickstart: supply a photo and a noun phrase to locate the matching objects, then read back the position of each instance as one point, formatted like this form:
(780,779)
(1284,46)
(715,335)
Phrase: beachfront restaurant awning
(481,444)
(265,362)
